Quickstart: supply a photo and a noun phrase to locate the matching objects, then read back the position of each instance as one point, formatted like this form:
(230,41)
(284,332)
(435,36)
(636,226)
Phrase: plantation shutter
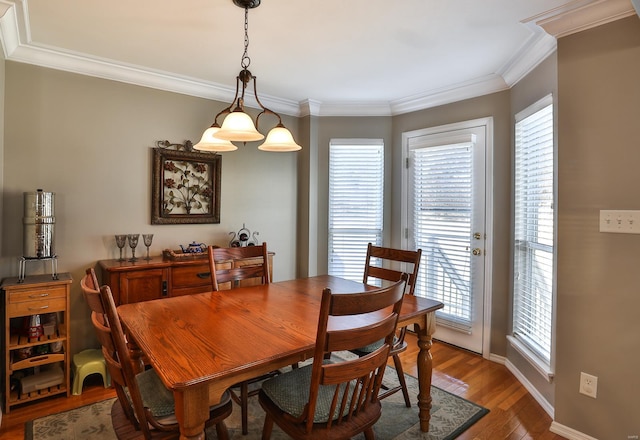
(356,184)
(534,230)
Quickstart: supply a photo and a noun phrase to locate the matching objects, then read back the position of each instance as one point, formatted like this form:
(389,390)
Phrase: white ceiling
(326,57)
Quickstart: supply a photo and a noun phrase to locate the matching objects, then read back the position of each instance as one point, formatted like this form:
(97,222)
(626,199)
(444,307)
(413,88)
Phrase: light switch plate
(620,221)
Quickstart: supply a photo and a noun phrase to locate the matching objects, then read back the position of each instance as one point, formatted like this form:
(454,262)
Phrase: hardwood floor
(514,414)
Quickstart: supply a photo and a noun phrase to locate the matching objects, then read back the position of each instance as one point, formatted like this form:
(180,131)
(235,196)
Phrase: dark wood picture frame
(185,187)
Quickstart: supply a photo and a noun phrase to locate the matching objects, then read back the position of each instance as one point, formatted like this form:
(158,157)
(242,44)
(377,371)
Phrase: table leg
(192,411)
(425,368)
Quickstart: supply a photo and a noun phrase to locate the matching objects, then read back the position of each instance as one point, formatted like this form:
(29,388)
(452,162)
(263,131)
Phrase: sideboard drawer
(190,276)
(186,280)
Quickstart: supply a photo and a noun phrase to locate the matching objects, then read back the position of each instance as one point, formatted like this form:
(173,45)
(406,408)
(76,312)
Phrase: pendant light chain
(246,61)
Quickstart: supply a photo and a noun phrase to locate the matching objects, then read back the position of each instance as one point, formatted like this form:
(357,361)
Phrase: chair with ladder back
(384,258)
(145,401)
(249,263)
(337,398)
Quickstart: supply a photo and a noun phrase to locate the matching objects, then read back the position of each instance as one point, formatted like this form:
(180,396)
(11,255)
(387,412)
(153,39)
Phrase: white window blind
(442,200)
(534,230)
(356,185)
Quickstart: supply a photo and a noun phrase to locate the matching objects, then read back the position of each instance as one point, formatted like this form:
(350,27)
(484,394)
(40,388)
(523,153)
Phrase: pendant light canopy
(238,125)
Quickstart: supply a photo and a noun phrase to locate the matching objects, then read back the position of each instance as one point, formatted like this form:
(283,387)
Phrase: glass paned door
(446,219)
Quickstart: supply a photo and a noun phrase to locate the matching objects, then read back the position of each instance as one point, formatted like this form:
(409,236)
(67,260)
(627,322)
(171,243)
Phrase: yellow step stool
(89,362)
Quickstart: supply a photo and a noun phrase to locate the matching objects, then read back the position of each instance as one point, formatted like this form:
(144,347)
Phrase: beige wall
(2,86)
(598,274)
(89,140)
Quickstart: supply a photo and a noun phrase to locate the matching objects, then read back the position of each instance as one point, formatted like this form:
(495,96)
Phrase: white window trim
(547,371)
(538,364)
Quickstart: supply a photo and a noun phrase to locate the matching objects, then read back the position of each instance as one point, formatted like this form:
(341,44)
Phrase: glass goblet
(133,243)
(147,238)
(121,240)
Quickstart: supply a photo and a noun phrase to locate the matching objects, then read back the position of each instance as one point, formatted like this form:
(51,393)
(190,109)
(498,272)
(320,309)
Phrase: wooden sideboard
(157,278)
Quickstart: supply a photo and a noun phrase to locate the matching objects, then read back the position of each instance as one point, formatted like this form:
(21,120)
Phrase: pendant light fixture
(238,125)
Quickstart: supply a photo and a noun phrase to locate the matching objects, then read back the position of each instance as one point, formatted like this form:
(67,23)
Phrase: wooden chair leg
(369,435)
(401,379)
(244,407)
(267,428)
(128,411)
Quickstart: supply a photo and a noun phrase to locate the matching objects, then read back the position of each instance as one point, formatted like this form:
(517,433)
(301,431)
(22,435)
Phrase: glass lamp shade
(279,139)
(211,143)
(238,126)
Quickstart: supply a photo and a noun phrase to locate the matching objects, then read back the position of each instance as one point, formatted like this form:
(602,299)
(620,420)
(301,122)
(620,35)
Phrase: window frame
(376,234)
(519,343)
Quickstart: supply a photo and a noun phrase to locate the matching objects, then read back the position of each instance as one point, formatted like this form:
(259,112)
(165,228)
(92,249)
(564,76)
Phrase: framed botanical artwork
(185,187)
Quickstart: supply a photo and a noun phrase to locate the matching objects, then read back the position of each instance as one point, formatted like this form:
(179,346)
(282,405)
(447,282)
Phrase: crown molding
(536,49)
(9,29)
(17,46)
(466,90)
(580,15)
(573,17)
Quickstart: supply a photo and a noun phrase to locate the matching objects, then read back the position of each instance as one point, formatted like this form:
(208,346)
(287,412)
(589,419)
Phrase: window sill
(532,358)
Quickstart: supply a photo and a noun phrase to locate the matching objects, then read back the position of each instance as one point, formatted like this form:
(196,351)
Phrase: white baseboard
(497,359)
(556,428)
(569,433)
(532,390)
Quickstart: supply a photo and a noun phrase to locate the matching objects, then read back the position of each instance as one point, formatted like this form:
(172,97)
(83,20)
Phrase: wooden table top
(234,335)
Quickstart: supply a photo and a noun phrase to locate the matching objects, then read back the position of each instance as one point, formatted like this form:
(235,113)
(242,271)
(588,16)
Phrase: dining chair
(379,264)
(337,398)
(144,399)
(257,269)
(91,293)
(240,270)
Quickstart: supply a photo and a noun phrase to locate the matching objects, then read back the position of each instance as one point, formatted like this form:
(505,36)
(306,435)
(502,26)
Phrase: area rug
(450,416)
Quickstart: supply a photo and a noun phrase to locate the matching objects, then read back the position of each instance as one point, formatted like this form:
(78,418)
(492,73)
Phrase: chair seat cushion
(373,346)
(155,395)
(159,399)
(290,392)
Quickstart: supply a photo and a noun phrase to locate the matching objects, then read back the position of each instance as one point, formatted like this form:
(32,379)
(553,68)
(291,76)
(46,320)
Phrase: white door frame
(488,208)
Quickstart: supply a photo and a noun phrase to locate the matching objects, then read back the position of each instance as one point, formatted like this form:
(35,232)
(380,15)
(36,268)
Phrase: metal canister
(39,222)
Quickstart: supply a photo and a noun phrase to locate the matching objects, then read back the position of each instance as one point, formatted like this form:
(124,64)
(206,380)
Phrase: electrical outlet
(588,385)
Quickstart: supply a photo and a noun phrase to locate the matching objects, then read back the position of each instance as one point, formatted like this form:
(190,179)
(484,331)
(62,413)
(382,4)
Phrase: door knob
(476,251)
(477,235)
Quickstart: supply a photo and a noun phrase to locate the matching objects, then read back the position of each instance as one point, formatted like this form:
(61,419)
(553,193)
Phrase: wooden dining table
(202,344)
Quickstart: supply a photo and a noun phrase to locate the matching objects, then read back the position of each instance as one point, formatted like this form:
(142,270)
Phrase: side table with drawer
(35,340)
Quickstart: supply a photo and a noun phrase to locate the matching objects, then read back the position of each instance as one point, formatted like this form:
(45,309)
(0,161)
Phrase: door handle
(476,251)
